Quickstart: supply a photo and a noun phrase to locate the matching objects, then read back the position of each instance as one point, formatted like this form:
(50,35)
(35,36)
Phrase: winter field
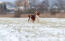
(18,29)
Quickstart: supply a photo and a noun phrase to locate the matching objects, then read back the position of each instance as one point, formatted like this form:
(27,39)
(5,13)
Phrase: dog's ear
(38,13)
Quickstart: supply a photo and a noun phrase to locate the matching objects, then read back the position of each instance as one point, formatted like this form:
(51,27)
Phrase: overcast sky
(14,0)
(8,0)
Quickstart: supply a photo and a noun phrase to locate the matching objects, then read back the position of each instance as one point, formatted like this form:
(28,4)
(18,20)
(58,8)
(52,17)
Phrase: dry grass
(48,15)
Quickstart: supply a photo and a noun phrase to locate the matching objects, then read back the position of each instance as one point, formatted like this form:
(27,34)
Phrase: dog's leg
(38,19)
(28,19)
(33,21)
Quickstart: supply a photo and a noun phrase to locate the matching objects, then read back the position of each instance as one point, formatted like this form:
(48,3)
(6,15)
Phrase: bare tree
(61,3)
(18,4)
(23,3)
(44,5)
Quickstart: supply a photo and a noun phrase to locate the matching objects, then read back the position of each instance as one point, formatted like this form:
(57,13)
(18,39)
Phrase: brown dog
(33,17)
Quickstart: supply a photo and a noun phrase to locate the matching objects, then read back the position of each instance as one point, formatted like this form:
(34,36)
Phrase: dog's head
(37,13)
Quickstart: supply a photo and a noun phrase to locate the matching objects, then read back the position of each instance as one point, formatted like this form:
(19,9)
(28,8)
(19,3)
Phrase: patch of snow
(18,29)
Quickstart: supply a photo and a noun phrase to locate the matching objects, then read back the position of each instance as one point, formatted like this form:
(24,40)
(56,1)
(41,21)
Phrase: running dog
(34,17)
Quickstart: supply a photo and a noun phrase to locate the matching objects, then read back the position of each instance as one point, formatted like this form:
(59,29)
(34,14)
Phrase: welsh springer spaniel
(34,17)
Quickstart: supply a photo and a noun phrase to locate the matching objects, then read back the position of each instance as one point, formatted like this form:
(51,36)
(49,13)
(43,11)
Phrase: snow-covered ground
(18,29)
